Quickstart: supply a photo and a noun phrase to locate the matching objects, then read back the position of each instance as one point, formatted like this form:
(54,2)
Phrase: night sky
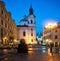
(44,10)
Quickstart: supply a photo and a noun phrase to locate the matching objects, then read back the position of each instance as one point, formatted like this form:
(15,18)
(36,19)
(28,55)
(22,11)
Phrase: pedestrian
(51,48)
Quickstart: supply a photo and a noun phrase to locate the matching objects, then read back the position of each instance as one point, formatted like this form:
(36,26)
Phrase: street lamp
(51,25)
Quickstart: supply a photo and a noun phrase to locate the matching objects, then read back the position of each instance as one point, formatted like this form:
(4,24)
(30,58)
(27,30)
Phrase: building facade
(27,28)
(8,28)
(52,35)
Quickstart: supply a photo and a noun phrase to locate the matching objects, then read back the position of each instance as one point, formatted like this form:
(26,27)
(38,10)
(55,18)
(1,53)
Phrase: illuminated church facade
(27,28)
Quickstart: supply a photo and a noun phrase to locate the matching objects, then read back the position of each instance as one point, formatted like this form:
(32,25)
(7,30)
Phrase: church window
(31,21)
(31,34)
(24,33)
(31,40)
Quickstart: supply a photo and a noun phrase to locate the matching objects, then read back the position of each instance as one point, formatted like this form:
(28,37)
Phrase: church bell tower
(31,17)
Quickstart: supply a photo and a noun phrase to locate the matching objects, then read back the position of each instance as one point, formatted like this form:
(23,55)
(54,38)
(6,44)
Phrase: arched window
(31,21)
(31,34)
(24,33)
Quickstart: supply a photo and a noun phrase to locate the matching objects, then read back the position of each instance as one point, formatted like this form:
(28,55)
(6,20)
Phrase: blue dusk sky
(44,10)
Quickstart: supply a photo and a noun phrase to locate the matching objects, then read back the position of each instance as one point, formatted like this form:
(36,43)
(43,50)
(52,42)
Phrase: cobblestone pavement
(40,54)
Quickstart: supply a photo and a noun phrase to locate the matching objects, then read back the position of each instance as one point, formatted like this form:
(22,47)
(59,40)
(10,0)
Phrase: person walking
(51,46)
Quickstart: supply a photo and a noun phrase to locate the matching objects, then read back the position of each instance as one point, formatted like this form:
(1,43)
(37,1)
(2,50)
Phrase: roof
(22,25)
(23,20)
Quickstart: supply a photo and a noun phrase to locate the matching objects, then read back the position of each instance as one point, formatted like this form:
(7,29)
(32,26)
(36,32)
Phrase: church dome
(24,21)
(24,18)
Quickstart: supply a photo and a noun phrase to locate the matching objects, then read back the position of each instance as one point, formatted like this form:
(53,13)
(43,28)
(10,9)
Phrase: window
(2,22)
(5,25)
(31,29)
(31,21)
(31,40)
(1,11)
(56,36)
(31,34)
(56,44)
(1,36)
(1,33)
(24,34)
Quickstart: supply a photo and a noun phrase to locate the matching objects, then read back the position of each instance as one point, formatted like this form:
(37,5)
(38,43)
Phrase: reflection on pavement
(30,50)
(5,51)
(50,54)
(34,54)
(44,50)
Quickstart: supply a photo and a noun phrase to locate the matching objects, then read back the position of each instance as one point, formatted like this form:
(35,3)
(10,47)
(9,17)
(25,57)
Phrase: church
(27,28)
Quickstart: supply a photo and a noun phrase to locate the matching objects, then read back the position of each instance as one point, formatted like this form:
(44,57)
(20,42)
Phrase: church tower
(31,17)
(32,25)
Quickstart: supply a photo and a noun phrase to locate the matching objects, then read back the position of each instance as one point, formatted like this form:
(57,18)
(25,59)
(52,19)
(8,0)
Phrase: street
(34,54)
